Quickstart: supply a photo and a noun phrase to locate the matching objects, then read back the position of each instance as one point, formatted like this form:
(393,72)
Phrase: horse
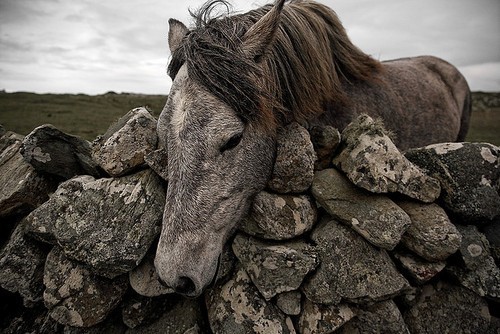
(240,77)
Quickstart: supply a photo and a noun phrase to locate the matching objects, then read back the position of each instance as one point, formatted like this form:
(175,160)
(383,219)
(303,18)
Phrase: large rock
(158,161)
(237,307)
(419,269)
(280,217)
(431,235)
(469,174)
(377,218)
(77,297)
(145,280)
(351,269)
(290,302)
(52,151)
(23,188)
(326,140)
(274,267)
(322,319)
(371,161)
(137,310)
(294,166)
(123,147)
(109,224)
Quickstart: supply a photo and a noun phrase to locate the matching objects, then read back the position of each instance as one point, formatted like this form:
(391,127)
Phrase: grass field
(89,116)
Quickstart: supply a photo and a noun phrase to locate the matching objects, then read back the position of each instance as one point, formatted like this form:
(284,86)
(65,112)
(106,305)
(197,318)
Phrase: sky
(95,46)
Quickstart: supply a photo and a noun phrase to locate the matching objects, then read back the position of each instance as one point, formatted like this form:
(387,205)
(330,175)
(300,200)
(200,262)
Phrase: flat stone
(280,217)
(137,310)
(431,234)
(420,270)
(289,302)
(375,217)
(158,161)
(294,165)
(372,161)
(323,319)
(144,279)
(325,140)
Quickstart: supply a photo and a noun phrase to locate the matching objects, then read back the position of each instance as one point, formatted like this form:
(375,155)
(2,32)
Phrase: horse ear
(261,35)
(177,31)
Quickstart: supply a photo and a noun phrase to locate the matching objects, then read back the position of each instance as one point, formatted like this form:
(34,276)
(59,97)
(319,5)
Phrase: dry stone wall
(350,236)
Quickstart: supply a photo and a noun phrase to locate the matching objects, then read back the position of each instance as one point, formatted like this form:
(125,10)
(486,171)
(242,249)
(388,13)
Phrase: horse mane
(303,73)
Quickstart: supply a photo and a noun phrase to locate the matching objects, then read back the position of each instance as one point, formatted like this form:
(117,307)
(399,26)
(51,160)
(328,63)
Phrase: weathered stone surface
(325,140)
(52,151)
(111,325)
(323,319)
(448,309)
(280,217)
(479,272)
(75,296)
(492,233)
(108,224)
(137,310)
(383,317)
(346,275)
(378,219)
(123,147)
(372,161)
(431,235)
(294,166)
(274,267)
(144,279)
(237,307)
(158,161)
(23,189)
(32,320)
(420,270)
(289,302)
(469,174)
(21,266)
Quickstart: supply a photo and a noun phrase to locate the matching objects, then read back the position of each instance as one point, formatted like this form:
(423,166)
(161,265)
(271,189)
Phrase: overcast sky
(95,46)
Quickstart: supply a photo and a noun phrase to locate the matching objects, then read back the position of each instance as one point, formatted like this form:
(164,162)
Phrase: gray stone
(431,235)
(448,309)
(111,325)
(108,224)
(280,217)
(372,161)
(419,269)
(158,161)
(21,266)
(345,274)
(492,233)
(383,317)
(238,307)
(144,279)
(139,310)
(469,174)
(294,166)
(378,219)
(23,188)
(289,302)
(274,267)
(123,147)
(52,151)
(323,319)
(77,297)
(325,140)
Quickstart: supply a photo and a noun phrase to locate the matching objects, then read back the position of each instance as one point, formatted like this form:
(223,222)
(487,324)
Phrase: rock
(378,219)
(431,235)
(469,174)
(237,307)
(448,309)
(420,270)
(123,147)
(274,267)
(323,319)
(52,151)
(138,310)
(2,130)
(479,272)
(75,296)
(158,161)
(32,320)
(23,188)
(383,317)
(372,161)
(289,302)
(325,140)
(21,266)
(344,274)
(492,233)
(144,279)
(280,217)
(294,166)
(111,325)
(108,224)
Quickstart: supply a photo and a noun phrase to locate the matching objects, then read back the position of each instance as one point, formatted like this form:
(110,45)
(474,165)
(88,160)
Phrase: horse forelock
(302,74)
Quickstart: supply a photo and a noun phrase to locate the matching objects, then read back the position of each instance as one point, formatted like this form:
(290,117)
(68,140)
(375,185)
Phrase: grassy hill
(88,116)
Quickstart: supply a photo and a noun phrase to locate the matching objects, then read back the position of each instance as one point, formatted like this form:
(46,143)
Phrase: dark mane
(303,73)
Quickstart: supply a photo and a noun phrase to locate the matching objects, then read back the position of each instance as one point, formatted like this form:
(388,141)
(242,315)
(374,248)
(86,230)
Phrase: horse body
(237,79)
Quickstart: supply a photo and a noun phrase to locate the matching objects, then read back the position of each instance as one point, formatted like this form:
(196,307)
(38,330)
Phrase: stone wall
(350,236)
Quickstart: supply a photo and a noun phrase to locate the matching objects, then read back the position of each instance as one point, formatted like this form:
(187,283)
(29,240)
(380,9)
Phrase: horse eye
(231,143)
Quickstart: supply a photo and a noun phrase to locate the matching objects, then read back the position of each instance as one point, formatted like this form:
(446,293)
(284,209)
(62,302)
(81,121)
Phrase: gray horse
(239,78)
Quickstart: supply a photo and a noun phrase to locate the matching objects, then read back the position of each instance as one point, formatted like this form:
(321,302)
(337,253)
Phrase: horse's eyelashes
(231,143)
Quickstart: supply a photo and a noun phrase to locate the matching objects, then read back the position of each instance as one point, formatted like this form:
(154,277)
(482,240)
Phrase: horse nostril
(185,286)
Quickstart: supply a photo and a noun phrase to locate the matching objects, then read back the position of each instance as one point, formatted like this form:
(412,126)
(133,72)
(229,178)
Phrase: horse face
(216,165)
